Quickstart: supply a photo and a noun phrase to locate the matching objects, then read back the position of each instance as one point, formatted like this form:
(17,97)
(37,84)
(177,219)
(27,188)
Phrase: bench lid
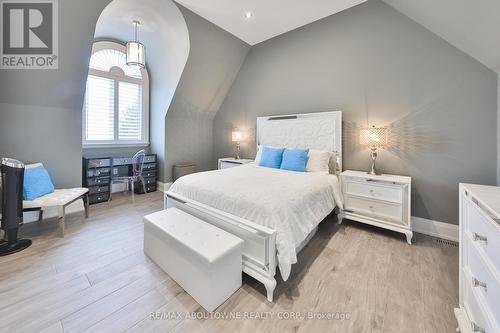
(203,238)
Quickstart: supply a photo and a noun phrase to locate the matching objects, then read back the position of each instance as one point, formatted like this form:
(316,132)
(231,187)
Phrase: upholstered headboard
(321,130)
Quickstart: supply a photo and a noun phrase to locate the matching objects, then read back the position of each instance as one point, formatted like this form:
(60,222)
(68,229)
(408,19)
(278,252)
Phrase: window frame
(116,142)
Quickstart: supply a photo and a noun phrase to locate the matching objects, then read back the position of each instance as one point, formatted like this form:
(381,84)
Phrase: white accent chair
(59,199)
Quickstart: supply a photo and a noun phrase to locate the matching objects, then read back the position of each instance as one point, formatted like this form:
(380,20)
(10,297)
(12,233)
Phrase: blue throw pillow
(271,157)
(294,160)
(36,183)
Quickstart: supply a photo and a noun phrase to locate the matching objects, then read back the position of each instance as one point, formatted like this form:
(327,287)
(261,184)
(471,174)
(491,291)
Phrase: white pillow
(319,161)
(258,155)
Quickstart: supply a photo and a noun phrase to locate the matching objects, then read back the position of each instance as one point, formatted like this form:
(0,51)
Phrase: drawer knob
(371,207)
(371,191)
(477,283)
(478,237)
(476,328)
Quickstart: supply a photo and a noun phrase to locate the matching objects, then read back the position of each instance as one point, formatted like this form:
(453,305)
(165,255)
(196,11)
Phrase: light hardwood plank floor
(97,279)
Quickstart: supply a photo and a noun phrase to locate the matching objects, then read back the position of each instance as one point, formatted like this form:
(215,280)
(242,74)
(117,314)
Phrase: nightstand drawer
(388,211)
(375,191)
(226,164)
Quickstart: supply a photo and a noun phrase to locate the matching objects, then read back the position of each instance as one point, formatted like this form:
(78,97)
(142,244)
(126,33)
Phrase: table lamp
(238,137)
(373,137)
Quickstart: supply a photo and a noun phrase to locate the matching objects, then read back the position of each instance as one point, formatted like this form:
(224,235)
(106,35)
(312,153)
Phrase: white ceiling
(471,26)
(270,17)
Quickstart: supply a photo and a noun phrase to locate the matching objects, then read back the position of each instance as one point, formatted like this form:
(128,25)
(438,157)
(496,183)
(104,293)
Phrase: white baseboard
(163,187)
(435,228)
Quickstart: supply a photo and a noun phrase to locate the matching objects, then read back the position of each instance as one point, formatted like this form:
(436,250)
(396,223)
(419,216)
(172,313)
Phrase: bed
(274,211)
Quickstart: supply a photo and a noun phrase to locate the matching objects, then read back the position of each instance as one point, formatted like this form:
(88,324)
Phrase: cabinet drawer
(98,198)
(481,278)
(149,158)
(98,162)
(148,174)
(484,232)
(122,160)
(98,172)
(149,166)
(150,181)
(375,191)
(150,188)
(97,181)
(226,164)
(474,305)
(388,211)
(98,189)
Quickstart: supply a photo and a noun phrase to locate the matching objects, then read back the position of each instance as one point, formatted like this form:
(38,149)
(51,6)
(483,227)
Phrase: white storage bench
(203,259)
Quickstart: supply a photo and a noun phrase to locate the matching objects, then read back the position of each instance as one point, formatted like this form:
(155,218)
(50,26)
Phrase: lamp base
(373,171)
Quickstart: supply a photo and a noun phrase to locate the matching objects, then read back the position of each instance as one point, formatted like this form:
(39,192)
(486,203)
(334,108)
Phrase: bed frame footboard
(259,251)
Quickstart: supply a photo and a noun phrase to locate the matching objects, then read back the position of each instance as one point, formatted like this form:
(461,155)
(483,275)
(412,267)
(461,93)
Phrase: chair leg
(62,222)
(132,187)
(86,204)
(143,184)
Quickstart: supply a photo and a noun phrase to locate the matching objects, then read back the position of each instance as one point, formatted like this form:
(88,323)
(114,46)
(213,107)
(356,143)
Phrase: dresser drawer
(484,232)
(98,189)
(150,181)
(98,162)
(149,166)
(97,181)
(150,158)
(96,198)
(374,190)
(481,278)
(122,160)
(226,164)
(388,211)
(98,172)
(474,303)
(148,174)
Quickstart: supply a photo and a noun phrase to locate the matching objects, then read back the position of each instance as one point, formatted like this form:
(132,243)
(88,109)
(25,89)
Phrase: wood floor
(97,279)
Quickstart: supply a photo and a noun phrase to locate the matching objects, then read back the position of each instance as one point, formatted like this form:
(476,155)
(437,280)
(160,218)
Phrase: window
(116,105)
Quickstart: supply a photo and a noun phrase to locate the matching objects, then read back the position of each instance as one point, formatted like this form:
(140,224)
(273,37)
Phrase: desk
(98,171)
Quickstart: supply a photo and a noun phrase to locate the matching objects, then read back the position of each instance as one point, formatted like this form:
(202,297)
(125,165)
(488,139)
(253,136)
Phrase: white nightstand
(383,201)
(229,162)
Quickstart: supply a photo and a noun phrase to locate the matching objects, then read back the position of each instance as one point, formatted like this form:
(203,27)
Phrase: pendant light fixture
(136,51)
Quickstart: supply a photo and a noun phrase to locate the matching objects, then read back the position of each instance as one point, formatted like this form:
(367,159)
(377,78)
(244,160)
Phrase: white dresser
(383,201)
(479,287)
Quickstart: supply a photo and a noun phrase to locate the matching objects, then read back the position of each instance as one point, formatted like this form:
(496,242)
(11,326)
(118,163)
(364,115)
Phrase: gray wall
(214,60)
(40,110)
(378,67)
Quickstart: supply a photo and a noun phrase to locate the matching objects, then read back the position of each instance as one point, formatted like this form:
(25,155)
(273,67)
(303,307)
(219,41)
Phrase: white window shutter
(99,109)
(129,111)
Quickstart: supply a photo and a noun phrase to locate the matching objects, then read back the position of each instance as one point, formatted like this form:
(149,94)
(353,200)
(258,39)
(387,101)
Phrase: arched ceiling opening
(164,32)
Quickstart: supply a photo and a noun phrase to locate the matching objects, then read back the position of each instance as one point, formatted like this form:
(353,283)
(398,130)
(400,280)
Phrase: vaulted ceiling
(471,26)
(254,21)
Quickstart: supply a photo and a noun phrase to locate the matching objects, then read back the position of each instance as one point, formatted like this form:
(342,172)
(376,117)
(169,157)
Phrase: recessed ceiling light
(248,15)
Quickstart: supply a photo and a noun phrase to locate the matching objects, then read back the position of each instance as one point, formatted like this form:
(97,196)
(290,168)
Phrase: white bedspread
(292,203)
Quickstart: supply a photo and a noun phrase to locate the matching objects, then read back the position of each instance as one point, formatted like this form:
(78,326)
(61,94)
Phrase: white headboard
(321,130)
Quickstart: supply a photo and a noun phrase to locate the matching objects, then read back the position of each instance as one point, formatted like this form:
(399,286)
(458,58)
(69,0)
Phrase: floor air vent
(446,242)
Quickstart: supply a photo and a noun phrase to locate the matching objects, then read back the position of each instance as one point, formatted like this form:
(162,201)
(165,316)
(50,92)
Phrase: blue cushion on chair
(36,183)
(271,157)
(294,160)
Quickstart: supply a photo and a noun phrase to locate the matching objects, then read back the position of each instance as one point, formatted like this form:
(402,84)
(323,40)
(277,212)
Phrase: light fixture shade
(238,136)
(373,136)
(136,54)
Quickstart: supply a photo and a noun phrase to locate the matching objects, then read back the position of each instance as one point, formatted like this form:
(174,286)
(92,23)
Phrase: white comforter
(292,203)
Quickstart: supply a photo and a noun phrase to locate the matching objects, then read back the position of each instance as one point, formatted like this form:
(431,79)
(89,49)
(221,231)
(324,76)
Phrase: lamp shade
(373,136)
(136,54)
(238,136)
